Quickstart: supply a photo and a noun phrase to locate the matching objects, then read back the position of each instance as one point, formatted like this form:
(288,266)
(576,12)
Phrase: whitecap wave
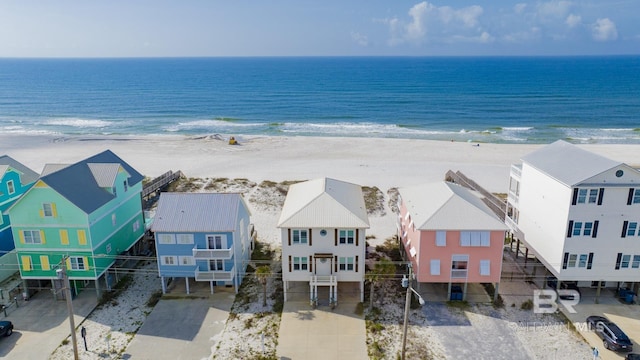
(78,122)
(208,124)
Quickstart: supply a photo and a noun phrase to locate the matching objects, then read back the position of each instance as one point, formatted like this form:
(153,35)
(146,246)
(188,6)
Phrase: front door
(323,266)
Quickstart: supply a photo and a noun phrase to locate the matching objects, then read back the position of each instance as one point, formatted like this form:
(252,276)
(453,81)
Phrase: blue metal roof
(78,184)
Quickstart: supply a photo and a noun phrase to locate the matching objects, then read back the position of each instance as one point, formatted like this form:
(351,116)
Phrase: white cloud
(557,9)
(359,39)
(573,20)
(519,8)
(428,22)
(604,30)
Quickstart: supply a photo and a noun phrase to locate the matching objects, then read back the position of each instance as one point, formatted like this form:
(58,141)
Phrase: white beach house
(323,225)
(578,212)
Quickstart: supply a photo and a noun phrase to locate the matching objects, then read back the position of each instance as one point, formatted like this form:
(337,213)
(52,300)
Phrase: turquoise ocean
(480,99)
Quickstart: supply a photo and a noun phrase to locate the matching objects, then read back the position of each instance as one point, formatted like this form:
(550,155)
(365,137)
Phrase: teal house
(88,214)
(15,180)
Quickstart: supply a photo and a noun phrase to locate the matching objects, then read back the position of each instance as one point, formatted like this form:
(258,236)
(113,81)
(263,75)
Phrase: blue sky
(145,28)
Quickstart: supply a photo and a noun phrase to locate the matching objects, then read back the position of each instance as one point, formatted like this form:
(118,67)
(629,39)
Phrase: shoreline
(381,162)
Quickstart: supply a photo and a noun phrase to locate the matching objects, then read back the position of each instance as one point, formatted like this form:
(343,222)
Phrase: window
(77,263)
(300,236)
(474,238)
(485,267)
(625,261)
(11,187)
(346,264)
(347,236)
(169,260)
(636,196)
(216,265)
(583,261)
(636,262)
(572,260)
(113,219)
(582,196)
(185,239)
(166,239)
(136,225)
(115,191)
(300,263)
(588,226)
(593,196)
(631,229)
(577,228)
(31,236)
(186,260)
(216,241)
(441,238)
(435,267)
(459,265)
(47,210)
(126,185)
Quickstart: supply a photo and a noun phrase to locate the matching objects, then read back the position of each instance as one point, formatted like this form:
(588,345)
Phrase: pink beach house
(450,236)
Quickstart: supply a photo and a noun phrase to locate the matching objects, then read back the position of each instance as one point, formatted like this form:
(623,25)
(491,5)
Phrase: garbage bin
(629,297)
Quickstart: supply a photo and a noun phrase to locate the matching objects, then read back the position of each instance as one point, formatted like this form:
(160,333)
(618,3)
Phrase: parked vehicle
(6,328)
(552,282)
(632,357)
(613,338)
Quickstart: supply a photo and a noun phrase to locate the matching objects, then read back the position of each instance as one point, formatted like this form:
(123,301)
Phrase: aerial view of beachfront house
(323,224)
(15,180)
(579,214)
(88,213)
(204,236)
(450,236)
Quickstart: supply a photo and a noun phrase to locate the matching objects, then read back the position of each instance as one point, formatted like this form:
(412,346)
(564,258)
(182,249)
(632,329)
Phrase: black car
(632,357)
(6,328)
(613,338)
(552,282)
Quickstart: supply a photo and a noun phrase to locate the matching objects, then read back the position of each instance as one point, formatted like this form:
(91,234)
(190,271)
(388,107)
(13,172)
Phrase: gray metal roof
(78,184)
(448,206)
(197,212)
(323,203)
(51,168)
(27,176)
(568,163)
(105,174)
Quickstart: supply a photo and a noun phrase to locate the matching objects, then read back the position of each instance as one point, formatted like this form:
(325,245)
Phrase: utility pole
(406,282)
(62,275)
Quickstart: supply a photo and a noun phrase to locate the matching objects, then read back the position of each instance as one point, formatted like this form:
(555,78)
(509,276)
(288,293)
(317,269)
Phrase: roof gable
(568,163)
(27,176)
(197,212)
(324,202)
(448,206)
(79,184)
(104,174)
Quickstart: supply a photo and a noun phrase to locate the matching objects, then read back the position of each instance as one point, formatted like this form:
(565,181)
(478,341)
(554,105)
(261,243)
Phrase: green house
(89,213)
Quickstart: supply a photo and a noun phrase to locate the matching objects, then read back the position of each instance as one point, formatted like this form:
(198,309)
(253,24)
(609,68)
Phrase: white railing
(516,171)
(323,280)
(200,254)
(215,275)
(459,273)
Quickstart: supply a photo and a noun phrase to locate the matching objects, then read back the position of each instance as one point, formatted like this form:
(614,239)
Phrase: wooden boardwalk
(160,182)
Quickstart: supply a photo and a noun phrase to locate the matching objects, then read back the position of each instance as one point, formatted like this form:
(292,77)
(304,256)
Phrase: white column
(164,286)
(285,287)
(186,281)
(211,286)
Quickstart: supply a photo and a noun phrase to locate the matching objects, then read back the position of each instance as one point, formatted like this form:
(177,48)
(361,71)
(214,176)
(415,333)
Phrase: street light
(406,282)
(61,273)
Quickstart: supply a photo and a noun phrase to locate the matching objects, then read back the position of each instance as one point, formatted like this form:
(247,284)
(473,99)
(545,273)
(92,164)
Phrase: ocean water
(480,99)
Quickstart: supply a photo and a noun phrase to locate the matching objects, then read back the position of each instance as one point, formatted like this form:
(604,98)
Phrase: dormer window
(126,185)
(11,187)
(114,191)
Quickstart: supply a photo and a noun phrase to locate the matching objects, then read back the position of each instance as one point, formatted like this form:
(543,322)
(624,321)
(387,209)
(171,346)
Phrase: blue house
(203,236)
(15,180)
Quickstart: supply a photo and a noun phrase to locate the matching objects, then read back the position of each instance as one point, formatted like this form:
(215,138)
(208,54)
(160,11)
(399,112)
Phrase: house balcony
(459,274)
(516,171)
(514,228)
(215,275)
(206,254)
(323,280)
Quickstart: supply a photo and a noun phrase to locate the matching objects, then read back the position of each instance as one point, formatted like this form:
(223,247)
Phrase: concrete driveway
(626,316)
(42,323)
(182,328)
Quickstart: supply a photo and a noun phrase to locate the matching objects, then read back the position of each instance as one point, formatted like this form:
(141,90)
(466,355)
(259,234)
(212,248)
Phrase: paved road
(181,329)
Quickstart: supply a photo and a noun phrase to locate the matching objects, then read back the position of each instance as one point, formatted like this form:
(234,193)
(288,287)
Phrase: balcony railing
(459,273)
(323,280)
(215,275)
(516,171)
(203,254)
